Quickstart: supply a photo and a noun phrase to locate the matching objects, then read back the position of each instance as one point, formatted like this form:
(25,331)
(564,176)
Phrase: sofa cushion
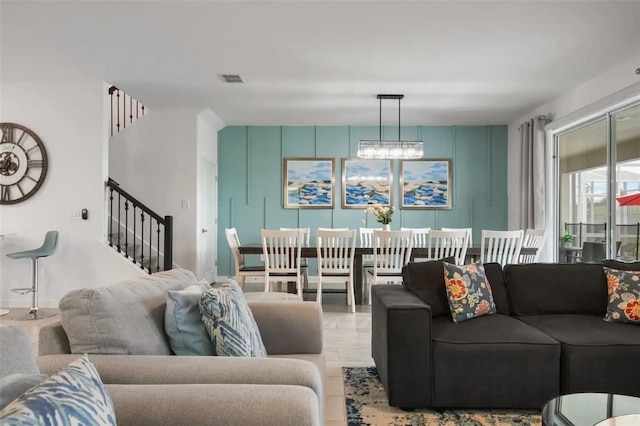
(183,323)
(229,322)
(539,288)
(624,296)
(16,352)
(483,364)
(495,276)
(468,291)
(74,395)
(623,266)
(597,356)
(426,280)
(14,385)
(124,318)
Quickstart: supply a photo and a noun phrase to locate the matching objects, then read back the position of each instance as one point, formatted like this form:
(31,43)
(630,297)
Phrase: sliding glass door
(626,137)
(599,162)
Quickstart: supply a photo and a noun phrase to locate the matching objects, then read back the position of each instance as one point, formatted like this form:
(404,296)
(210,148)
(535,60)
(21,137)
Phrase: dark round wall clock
(23,163)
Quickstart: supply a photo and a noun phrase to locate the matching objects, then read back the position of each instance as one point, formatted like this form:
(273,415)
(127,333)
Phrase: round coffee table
(587,409)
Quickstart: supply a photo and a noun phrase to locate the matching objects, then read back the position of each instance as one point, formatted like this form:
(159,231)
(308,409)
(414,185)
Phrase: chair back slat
(469,232)
(448,244)
(533,238)
(335,251)
(391,251)
(419,236)
(502,247)
(281,251)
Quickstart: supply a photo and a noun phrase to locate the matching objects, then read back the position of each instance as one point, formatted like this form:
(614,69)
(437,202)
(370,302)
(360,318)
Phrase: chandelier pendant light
(390,148)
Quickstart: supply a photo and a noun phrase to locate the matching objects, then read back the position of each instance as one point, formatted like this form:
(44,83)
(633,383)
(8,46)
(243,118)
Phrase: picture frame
(309,183)
(366,182)
(426,184)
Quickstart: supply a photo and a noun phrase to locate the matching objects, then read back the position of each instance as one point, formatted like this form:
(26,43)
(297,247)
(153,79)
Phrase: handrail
(163,225)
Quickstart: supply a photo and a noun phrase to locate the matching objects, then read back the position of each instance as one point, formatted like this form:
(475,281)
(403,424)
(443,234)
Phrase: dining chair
(502,247)
(391,251)
(242,270)
(366,240)
(533,238)
(336,251)
(469,232)
(306,235)
(282,250)
(419,238)
(448,244)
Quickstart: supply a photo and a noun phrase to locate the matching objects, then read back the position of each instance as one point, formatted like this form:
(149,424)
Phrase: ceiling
(322,62)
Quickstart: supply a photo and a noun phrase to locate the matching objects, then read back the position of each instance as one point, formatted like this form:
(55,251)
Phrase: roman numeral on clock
(35,163)
(5,193)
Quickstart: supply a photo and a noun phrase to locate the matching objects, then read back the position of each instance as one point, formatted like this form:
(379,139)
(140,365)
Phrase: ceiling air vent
(231,78)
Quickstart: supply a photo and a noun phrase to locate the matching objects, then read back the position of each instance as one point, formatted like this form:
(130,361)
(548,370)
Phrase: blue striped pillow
(230,323)
(74,395)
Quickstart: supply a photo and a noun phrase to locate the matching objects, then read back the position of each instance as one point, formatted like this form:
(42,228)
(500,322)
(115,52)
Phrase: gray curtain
(532,197)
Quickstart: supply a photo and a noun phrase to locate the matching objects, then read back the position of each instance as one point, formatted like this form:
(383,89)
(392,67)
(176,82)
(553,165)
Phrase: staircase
(137,232)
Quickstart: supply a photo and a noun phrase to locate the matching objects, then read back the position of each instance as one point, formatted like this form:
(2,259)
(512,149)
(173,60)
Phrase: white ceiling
(322,62)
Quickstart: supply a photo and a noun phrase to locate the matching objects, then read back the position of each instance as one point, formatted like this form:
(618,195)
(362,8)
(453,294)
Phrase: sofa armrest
(52,339)
(289,327)
(145,369)
(214,405)
(401,345)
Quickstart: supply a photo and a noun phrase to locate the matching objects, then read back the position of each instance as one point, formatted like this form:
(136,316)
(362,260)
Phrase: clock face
(23,163)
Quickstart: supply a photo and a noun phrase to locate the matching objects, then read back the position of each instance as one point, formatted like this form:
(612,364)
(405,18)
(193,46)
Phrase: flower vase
(386,227)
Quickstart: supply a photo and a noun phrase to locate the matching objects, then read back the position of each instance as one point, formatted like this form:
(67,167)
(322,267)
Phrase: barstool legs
(34,313)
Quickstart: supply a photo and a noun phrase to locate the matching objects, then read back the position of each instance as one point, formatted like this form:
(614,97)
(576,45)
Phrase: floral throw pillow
(624,296)
(468,291)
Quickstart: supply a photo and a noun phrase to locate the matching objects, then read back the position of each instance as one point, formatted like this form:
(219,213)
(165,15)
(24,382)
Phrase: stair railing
(124,110)
(132,226)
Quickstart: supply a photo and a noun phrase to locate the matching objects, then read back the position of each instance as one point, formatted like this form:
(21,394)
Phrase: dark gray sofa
(547,338)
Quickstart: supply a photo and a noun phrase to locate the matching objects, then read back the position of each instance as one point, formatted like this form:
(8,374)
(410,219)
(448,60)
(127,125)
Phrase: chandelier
(390,148)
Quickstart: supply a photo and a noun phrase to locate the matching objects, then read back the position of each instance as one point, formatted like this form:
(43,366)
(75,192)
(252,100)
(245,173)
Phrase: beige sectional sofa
(122,328)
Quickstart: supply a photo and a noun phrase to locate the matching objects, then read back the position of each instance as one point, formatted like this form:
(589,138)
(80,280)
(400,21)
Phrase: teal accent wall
(250,181)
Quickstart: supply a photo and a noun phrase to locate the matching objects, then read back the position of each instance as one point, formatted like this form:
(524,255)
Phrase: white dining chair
(502,247)
(242,270)
(444,244)
(366,240)
(419,239)
(306,235)
(391,251)
(336,251)
(469,232)
(281,250)
(533,238)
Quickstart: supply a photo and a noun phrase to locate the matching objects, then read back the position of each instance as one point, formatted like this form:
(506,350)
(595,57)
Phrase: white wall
(617,78)
(69,118)
(155,161)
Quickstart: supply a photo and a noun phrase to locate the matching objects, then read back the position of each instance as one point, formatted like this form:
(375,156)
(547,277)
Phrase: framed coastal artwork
(309,183)
(426,183)
(366,182)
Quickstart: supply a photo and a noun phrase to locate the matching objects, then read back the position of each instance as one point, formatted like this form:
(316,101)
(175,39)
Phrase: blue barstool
(49,247)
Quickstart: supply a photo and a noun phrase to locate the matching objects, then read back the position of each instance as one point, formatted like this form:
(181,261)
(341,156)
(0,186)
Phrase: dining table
(473,253)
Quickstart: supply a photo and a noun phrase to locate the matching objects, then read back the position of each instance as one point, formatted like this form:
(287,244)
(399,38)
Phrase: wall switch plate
(186,204)
(75,215)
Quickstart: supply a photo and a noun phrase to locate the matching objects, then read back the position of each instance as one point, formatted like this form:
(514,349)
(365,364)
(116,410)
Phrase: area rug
(367,404)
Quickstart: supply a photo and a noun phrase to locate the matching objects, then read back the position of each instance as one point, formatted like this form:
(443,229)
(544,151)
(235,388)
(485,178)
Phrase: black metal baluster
(119,223)
(111,217)
(137,110)
(142,240)
(126,227)
(150,240)
(130,109)
(158,246)
(168,242)
(118,105)
(135,220)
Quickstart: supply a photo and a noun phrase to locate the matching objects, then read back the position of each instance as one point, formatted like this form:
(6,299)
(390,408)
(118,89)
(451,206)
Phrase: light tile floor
(347,343)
